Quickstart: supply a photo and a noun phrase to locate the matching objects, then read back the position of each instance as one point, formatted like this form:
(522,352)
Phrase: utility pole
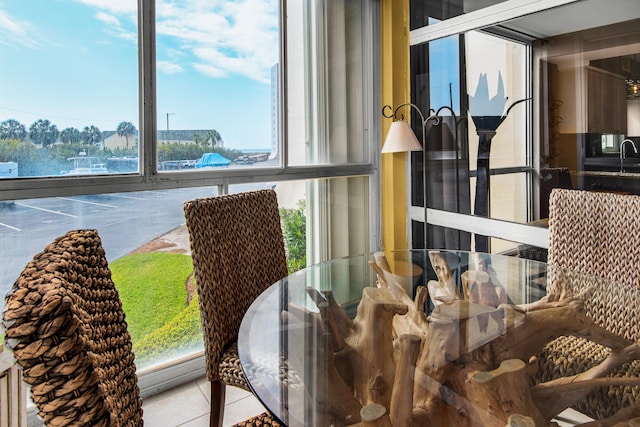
(168,135)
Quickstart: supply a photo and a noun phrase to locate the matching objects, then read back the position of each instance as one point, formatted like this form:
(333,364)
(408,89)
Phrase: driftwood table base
(468,363)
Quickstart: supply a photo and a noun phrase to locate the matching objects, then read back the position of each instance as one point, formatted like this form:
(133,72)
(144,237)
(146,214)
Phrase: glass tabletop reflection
(297,340)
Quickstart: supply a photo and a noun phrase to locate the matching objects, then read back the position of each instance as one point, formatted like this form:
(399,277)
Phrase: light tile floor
(188,406)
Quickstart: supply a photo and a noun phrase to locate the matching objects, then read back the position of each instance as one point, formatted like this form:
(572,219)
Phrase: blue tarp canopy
(212,159)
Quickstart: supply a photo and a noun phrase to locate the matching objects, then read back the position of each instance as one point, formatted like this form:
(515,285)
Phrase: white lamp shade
(400,138)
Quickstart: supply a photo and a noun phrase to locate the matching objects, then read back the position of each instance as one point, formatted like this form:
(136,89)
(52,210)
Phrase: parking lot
(125,222)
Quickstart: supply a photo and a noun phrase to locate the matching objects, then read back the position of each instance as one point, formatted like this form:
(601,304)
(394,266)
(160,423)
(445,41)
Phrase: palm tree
(43,132)
(126,129)
(13,129)
(70,135)
(91,135)
(213,136)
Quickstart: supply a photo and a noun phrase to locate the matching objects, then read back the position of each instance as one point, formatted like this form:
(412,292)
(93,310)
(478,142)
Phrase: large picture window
(115,118)
(218,85)
(67,91)
(71,97)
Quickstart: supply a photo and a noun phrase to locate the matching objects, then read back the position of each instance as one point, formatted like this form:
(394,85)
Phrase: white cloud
(226,38)
(108,19)
(127,35)
(169,67)
(114,27)
(14,32)
(123,7)
(210,70)
(219,37)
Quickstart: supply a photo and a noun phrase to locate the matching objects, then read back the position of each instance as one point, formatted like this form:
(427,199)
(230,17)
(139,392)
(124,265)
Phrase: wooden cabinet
(606,102)
(592,101)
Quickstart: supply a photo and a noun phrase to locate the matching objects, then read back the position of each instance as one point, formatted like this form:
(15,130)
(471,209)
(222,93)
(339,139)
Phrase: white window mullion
(506,230)
(482,18)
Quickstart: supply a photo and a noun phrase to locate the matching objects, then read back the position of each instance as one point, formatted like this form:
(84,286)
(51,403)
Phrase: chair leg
(217,404)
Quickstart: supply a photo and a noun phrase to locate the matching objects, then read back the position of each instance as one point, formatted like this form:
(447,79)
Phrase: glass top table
(404,338)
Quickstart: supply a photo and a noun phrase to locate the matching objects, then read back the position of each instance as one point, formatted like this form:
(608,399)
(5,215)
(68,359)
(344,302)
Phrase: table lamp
(400,138)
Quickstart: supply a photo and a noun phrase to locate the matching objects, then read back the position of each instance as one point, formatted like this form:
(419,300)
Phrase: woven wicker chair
(598,234)
(238,251)
(65,325)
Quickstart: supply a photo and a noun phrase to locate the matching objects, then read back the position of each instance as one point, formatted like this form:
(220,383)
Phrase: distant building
(112,140)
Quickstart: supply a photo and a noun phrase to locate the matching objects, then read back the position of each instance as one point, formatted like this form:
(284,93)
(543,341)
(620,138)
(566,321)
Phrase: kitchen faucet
(635,150)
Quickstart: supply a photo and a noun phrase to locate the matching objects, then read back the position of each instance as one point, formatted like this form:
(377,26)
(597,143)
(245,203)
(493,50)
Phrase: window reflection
(579,81)
(423,11)
(476,83)
(589,108)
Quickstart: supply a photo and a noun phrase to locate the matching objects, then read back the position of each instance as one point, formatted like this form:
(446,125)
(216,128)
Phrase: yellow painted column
(394,40)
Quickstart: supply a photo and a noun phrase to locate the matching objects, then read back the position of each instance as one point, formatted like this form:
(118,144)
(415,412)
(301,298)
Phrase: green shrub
(294,230)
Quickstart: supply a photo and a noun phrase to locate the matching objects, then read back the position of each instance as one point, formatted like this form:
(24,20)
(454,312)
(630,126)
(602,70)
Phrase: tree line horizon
(44,133)
(37,156)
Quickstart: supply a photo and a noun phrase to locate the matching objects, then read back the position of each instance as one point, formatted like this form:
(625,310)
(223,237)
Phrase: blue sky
(74,62)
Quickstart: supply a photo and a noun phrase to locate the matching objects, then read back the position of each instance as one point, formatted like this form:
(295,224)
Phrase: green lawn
(152,287)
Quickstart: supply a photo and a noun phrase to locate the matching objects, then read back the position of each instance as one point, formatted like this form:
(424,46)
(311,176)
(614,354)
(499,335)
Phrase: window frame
(490,16)
(149,178)
(160,378)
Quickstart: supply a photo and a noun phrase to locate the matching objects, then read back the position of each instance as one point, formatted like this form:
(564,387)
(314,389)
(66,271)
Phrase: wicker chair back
(598,234)
(238,251)
(65,324)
